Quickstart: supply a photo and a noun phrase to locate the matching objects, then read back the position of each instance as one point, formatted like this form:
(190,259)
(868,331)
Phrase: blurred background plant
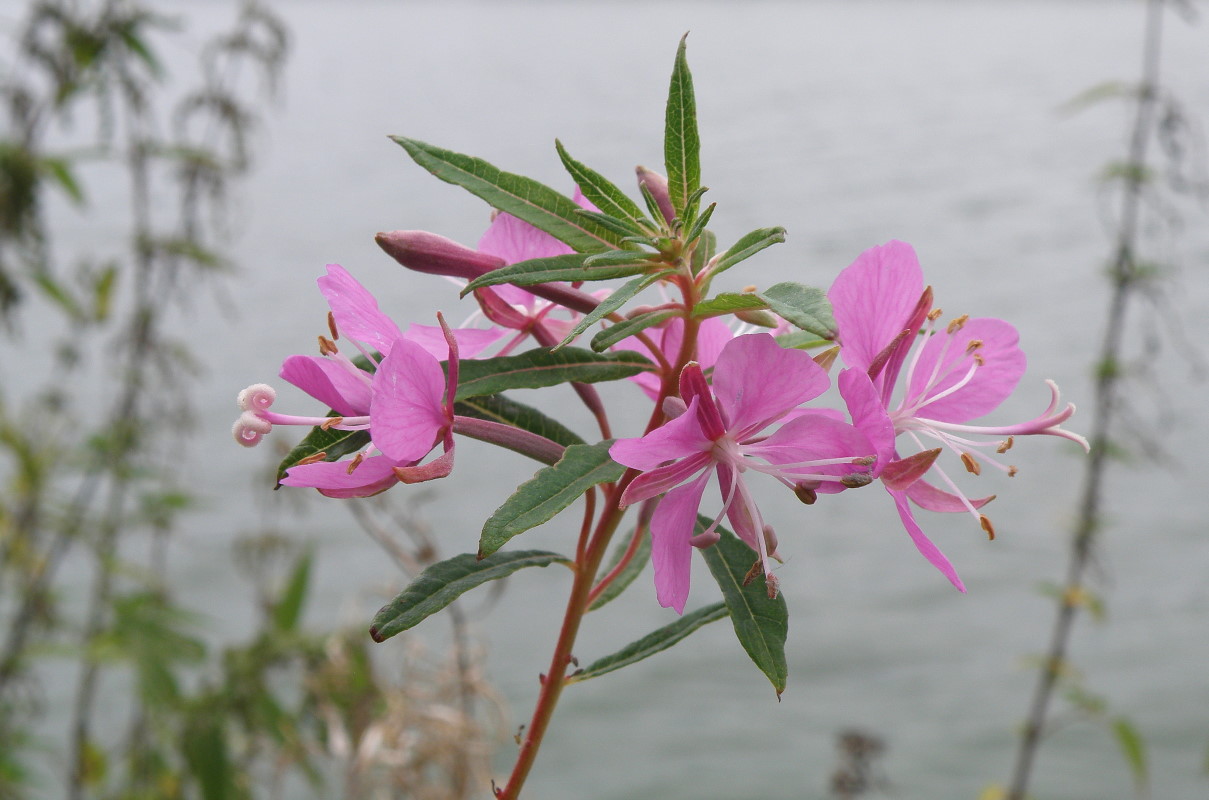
(90,495)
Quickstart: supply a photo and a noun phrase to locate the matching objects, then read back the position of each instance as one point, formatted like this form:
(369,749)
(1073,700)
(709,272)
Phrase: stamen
(313,458)
(807,495)
(971,463)
(985,522)
(331,325)
(934,314)
(327,347)
(973,345)
(356,462)
(979,360)
(957,324)
(750,289)
(856,480)
(704,540)
(1005,445)
(772,584)
(755,570)
(331,422)
(1012,471)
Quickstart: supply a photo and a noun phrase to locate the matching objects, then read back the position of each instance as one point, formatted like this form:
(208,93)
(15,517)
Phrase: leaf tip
(376,635)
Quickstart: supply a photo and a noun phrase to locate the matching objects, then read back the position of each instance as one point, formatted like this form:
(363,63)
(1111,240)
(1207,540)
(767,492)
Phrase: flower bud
(656,184)
(427,252)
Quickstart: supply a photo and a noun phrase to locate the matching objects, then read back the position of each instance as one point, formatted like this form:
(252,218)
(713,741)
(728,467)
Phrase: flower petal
(812,438)
(873,298)
(515,240)
(756,381)
(329,382)
(922,542)
(674,439)
(657,481)
(925,495)
(333,479)
(356,311)
(947,355)
(868,414)
(672,528)
(406,411)
(471,341)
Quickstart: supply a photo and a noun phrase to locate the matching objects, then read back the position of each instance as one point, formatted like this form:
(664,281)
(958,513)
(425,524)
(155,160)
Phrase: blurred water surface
(850,123)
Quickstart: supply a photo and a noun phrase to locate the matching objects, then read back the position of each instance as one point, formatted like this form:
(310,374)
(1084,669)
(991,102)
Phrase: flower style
(887,329)
(756,383)
(404,403)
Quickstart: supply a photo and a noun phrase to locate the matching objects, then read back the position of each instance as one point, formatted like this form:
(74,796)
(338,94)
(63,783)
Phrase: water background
(850,123)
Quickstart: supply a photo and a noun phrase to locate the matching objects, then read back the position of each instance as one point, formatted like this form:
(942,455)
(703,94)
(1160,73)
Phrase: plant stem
(1107,387)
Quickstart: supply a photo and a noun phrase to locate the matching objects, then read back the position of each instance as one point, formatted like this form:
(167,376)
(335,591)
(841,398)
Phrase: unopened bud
(656,184)
(436,255)
(673,407)
(770,540)
(704,540)
(757,317)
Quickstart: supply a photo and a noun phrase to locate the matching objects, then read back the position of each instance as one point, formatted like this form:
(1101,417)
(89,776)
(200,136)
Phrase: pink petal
(674,439)
(329,382)
(868,414)
(672,527)
(333,479)
(925,495)
(406,412)
(514,240)
(356,311)
(756,381)
(923,543)
(872,299)
(811,438)
(471,341)
(991,383)
(659,480)
(712,336)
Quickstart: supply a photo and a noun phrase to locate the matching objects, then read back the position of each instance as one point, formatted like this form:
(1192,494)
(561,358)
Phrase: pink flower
(400,402)
(950,376)
(514,240)
(756,383)
(712,336)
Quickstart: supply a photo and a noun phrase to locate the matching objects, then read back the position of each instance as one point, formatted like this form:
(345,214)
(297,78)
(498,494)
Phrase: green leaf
(628,573)
(623,330)
(611,303)
(747,247)
(653,642)
(706,246)
(599,189)
(560,268)
(804,306)
(1133,747)
(801,340)
(539,368)
(205,750)
(619,258)
(60,170)
(548,492)
(288,608)
(443,582)
(624,228)
(336,444)
(699,225)
(729,303)
(497,408)
(681,144)
(760,623)
(533,202)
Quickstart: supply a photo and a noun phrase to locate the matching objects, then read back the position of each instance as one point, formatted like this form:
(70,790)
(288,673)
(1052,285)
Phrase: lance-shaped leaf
(612,303)
(534,202)
(541,367)
(729,303)
(747,247)
(623,330)
(559,268)
(599,189)
(653,642)
(681,143)
(804,306)
(620,258)
(552,489)
(760,623)
(497,408)
(442,583)
(628,573)
(336,444)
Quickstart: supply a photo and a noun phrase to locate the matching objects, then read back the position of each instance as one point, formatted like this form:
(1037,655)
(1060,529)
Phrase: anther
(856,480)
(1006,445)
(973,345)
(751,288)
(934,314)
(979,360)
(971,463)
(313,458)
(326,346)
(331,422)
(864,461)
(772,584)
(1012,470)
(957,324)
(805,494)
(756,569)
(356,462)
(985,522)
(704,540)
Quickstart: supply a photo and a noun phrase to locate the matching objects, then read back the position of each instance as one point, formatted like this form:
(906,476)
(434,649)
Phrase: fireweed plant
(735,382)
